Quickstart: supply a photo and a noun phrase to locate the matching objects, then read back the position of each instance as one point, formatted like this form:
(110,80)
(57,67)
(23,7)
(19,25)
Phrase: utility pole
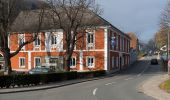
(168,55)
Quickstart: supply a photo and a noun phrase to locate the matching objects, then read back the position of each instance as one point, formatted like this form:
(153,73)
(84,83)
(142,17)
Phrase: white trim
(1,54)
(35,62)
(93,66)
(29,60)
(21,70)
(81,60)
(105,49)
(22,67)
(63,50)
(8,40)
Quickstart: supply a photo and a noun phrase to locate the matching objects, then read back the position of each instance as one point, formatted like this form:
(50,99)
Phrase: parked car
(154,61)
(40,70)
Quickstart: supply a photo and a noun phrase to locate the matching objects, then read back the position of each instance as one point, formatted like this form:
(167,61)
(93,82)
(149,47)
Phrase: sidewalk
(151,87)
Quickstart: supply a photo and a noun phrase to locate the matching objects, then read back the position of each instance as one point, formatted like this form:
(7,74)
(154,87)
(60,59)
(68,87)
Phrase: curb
(151,87)
(56,85)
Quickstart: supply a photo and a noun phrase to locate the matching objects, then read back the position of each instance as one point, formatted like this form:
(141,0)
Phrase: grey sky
(139,16)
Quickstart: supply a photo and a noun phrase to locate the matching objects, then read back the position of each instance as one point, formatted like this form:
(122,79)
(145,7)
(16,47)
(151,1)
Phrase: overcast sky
(139,16)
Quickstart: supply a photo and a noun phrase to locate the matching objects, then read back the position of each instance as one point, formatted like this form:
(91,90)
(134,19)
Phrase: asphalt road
(123,86)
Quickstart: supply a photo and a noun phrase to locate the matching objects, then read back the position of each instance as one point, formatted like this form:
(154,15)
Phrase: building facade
(103,48)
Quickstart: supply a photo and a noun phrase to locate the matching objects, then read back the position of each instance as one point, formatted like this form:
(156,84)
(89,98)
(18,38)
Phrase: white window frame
(90,45)
(22,66)
(87,63)
(38,37)
(55,37)
(71,65)
(35,61)
(23,40)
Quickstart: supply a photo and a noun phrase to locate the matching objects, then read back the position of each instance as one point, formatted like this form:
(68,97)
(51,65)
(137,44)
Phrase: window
(117,61)
(37,42)
(113,42)
(117,42)
(37,61)
(113,62)
(90,62)
(73,62)
(21,39)
(22,62)
(53,39)
(90,40)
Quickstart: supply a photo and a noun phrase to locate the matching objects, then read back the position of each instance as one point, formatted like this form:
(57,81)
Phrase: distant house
(134,47)
(104,48)
(134,44)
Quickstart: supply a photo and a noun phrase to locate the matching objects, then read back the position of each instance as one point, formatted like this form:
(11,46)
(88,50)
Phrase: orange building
(103,48)
(134,44)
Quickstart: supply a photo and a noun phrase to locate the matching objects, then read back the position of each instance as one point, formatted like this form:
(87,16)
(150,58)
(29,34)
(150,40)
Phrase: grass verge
(165,86)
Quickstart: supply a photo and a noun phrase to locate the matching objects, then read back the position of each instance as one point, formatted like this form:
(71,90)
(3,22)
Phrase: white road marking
(110,83)
(128,78)
(94,91)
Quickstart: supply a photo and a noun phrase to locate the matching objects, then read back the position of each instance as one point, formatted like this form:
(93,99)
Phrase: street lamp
(168,53)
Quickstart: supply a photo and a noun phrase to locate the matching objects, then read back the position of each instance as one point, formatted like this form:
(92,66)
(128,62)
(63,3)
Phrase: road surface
(123,86)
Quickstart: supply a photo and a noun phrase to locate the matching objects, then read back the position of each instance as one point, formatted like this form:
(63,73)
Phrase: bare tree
(161,35)
(72,16)
(8,12)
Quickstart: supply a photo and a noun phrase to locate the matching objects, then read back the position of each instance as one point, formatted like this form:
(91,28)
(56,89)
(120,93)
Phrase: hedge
(36,79)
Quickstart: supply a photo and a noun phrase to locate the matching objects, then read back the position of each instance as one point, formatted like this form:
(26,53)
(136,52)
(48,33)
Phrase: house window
(54,39)
(90,40)
(117,61)
(37,41)
(90,62)
(37,61)
(21,39)
(113,62)
(22,62)
(73,62)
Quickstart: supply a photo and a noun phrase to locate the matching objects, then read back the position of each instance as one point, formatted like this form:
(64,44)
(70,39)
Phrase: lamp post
(168,55)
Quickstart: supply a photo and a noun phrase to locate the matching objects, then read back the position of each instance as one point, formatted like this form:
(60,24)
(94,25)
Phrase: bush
(90,74)
(35,79)
(6,81)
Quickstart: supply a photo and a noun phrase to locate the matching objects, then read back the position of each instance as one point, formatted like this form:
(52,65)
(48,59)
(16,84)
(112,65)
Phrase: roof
(28,21)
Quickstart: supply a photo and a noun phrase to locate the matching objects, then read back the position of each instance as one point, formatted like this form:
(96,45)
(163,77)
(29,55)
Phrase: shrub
(6,81)
(35,79)
(90,74)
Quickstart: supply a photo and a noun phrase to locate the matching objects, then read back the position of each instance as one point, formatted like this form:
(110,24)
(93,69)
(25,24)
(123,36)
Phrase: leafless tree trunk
(69,15)
(8,8)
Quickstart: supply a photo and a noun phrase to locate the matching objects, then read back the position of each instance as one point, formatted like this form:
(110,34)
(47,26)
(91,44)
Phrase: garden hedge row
(36,79)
